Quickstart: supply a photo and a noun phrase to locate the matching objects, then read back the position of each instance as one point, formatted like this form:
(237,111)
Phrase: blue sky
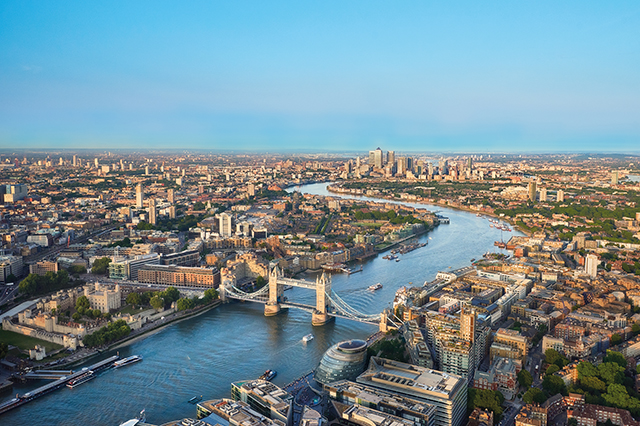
(331,75)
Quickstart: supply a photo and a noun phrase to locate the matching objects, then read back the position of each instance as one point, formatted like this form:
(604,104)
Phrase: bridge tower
(275,294)
(320,315)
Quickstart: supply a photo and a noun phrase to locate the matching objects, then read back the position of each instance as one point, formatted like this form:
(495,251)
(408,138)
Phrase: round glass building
(343,361)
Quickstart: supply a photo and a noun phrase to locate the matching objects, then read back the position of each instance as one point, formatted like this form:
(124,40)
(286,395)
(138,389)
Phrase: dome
(343,361)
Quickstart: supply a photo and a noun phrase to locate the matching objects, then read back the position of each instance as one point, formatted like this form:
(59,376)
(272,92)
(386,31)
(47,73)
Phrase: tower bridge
(327,307)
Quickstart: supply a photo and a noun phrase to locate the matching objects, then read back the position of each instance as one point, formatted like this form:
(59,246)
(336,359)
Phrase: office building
(375,158)
(265,398)
(10,265)
(446,392)
(182,258)
(509,344)
(43,267)
(128,269)
(13,193)
(180,276)
(226,230)
(343,361)
(347,393)
(152,211)
(542,194)
(531,189)
(391,157)
(591,265)
(139,196)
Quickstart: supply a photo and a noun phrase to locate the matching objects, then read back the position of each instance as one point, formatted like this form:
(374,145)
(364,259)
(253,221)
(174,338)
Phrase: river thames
(204,354)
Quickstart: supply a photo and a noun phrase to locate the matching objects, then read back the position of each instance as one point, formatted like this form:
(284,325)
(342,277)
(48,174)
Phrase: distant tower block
(614,177)
(139,196)
(560,196)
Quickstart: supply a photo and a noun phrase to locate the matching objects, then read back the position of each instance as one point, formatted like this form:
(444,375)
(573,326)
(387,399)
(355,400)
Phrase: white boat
(127,361)
(307,338)
(375,287)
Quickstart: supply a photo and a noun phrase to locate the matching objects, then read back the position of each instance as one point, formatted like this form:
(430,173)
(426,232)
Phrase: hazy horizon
(343,77)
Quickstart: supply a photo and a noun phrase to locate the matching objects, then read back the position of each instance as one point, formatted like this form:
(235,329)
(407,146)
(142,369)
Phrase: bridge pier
(271,310)
(320,318)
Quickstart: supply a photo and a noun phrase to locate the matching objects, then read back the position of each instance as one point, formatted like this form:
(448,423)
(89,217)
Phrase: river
(204,354)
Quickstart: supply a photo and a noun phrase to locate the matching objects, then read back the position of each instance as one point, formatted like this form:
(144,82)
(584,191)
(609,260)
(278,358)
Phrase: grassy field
(25,342)
(369,224)
(128,309)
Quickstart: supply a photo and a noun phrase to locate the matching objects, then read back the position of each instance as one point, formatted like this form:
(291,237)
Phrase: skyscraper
(543,194)
(591,265)
(152,211)
(171,196)
(139,196)
(375,158)
(614,177)
(75,161)
(532,191)
(225,225)
(391,157)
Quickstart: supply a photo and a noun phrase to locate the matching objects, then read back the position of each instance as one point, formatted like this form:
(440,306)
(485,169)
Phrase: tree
(593,384)
(11,278)
(76,316)
(97,313)
(260,281)
(525,379)
(611,373)
(157,302)
(77,270)
(616,339)
(586,369)
(134,299)
(483,398)
(635,328)
(210,295)
(617,357)
(4,350)
(554,357)
(171,294)
(82,304)
(552,368)
(534,395)
(553,385)
(183,304)
(100,266)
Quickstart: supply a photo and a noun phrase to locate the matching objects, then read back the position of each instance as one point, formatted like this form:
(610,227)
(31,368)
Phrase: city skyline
(285,77)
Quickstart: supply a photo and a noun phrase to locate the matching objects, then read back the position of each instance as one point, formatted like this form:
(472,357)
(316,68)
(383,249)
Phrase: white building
(591,265)
(139,196)
(225,225)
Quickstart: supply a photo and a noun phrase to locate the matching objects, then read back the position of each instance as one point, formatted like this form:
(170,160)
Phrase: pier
(57,384)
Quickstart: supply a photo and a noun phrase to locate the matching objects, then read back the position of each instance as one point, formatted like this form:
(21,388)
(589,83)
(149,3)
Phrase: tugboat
(269,375)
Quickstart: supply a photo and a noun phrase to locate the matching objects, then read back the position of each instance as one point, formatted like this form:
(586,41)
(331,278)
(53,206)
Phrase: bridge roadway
(307,308)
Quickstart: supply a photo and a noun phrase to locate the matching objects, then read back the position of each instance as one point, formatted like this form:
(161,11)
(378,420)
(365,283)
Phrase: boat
(127,361)
(84,378)
(195,399)
(375,287)
(307,338)
(133,422)
(397,260)
(269,375)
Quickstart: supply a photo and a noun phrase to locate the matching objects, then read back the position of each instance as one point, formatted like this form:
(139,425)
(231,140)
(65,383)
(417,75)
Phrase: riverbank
(431,203)
(137,335)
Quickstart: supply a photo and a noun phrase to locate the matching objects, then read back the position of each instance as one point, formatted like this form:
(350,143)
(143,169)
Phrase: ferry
(307,338)
(375,287)
(84,378)
(269,375)
(127,361)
